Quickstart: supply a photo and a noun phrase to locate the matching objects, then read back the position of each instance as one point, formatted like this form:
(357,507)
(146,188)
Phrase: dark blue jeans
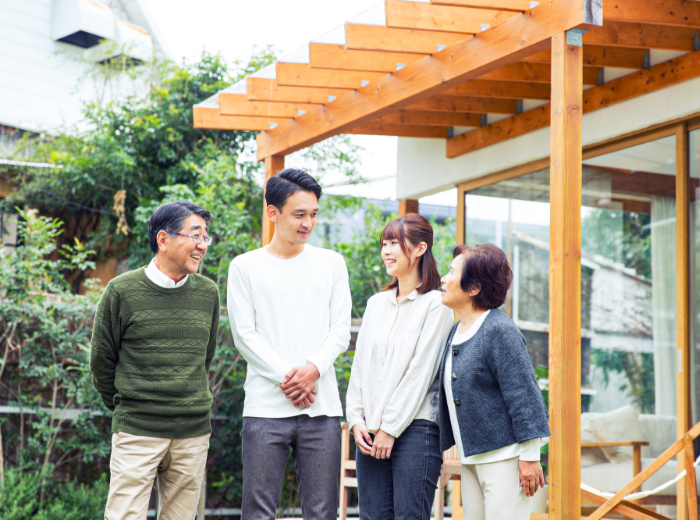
(403,486)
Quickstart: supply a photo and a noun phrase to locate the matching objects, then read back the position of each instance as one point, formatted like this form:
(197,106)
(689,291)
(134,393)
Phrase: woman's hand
(362,438)
(531,475)
(383,442)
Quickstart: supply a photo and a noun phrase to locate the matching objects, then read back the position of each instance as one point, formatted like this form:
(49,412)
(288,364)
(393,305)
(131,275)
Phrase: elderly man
(153,342)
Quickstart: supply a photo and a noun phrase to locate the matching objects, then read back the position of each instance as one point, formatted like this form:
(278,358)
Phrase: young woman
(392,400)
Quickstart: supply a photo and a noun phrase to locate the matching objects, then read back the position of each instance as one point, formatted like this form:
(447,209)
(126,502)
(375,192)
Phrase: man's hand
(362,438)
(298,385)
(530,476)
(383,443)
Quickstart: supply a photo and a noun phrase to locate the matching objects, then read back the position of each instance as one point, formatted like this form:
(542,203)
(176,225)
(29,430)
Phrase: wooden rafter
(420,15)
(380,38)
(536,72)
(677,13)
(240,105)
(442,103)
(263,89)
(500,89)
(428,118)
(642,35)
(213,119)
(435,132)
(468,59)
(332,56)
(505,5)
(600,56)
(635,84)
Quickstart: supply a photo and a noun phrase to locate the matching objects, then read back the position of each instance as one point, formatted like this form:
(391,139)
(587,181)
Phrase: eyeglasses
(197,239)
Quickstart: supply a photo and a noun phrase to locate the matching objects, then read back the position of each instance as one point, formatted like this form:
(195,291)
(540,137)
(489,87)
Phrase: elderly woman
(490,403)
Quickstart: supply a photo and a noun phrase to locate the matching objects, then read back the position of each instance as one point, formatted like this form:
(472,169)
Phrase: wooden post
(461,223)
(407,206)
(565,280)
(273,165)
(683,281)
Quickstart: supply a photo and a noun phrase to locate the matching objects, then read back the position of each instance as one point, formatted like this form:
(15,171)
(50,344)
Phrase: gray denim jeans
(315,445)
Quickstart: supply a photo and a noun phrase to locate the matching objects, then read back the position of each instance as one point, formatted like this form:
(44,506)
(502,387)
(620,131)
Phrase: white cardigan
(394,374)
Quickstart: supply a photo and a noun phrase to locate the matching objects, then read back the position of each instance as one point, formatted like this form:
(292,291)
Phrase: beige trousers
(492,491)
(179,464)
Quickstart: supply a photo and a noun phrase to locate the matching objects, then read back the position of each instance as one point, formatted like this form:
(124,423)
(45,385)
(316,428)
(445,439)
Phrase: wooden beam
(461,220)
(466,104)
(407,206)
(565,281)
(399,130)
(500,89)
(211,118)
(301,75)
(600,56)
(420,15)
(641,35)
(654,78)
(506,43)
(676,13)
(505,5)
(684,420)
(263,89)
(380,38)
(428,118)
(332,56)
(273,165)
(240,105)
(536,73)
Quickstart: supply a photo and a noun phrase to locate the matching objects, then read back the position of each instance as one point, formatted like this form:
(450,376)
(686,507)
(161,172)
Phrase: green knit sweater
(151,352)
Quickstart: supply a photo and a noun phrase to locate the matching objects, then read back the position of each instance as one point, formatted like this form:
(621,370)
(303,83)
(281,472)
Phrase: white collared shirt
(159,278)
(528,450)
(394,373)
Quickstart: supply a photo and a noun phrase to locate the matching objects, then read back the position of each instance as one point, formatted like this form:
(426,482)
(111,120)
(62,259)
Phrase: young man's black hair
(286,183)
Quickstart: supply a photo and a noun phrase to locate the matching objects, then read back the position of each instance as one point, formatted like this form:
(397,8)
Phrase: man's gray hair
(169,218)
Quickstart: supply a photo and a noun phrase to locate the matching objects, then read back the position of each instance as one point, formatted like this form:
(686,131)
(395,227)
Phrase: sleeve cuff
(319,364)
(530,450)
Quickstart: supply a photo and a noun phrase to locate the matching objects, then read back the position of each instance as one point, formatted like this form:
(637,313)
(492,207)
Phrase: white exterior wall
(40,87)
(423,169)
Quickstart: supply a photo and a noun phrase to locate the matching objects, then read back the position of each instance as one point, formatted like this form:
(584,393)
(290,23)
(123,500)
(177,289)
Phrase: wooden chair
(451,470)
(634,511)
(347,471)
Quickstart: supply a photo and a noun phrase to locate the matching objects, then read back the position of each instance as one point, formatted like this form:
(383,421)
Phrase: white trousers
(492,491)
(135,461)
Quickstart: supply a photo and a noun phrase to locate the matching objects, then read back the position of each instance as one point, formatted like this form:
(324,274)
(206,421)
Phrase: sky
(234,27)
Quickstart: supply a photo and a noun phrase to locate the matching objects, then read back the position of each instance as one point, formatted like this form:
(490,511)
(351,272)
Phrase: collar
(412,296)
(159,278)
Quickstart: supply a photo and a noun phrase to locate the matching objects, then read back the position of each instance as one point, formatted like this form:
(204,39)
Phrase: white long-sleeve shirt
(161,279)
(528,450)
(394,374)
(287,313)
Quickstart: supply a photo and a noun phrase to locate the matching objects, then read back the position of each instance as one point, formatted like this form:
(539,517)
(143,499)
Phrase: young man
(289,306)
(153,341)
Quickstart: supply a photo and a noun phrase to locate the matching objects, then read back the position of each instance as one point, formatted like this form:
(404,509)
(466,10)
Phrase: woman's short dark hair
(286,183)
(413,229)
(485,267)
(169,218)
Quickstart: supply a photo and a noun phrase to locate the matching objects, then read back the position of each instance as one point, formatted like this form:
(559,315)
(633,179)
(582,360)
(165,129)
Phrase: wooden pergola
(476,73)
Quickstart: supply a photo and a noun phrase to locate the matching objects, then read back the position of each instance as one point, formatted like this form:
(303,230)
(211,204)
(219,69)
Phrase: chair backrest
(451,455)
(660,431)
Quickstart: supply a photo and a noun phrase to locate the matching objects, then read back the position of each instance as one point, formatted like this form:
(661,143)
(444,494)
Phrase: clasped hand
(298,385)
(380,448)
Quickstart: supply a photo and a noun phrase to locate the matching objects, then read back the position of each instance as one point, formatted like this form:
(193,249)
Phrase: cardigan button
(454,376)
(455,351)
(457,402)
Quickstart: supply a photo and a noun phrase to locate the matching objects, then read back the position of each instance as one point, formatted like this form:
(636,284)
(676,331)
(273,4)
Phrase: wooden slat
(332,56)
(641,35)
(420,15)
(407,206)
(263,89)
(600,56)
(506,43)
(628,509)
(654,78)
(212,119)
(460,224)
(273,165)
(505,5)
(501,89)
(683,338)
(613,443)
(301,75)
(350,482)
(466,104)
(398,130)
(428,118)
(380,38)
(350,465)
(240,105)
(690,482)
(677,13)
(565,281)
(536,73)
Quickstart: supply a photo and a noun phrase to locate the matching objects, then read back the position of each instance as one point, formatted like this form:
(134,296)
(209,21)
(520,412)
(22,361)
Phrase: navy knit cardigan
(492,379)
